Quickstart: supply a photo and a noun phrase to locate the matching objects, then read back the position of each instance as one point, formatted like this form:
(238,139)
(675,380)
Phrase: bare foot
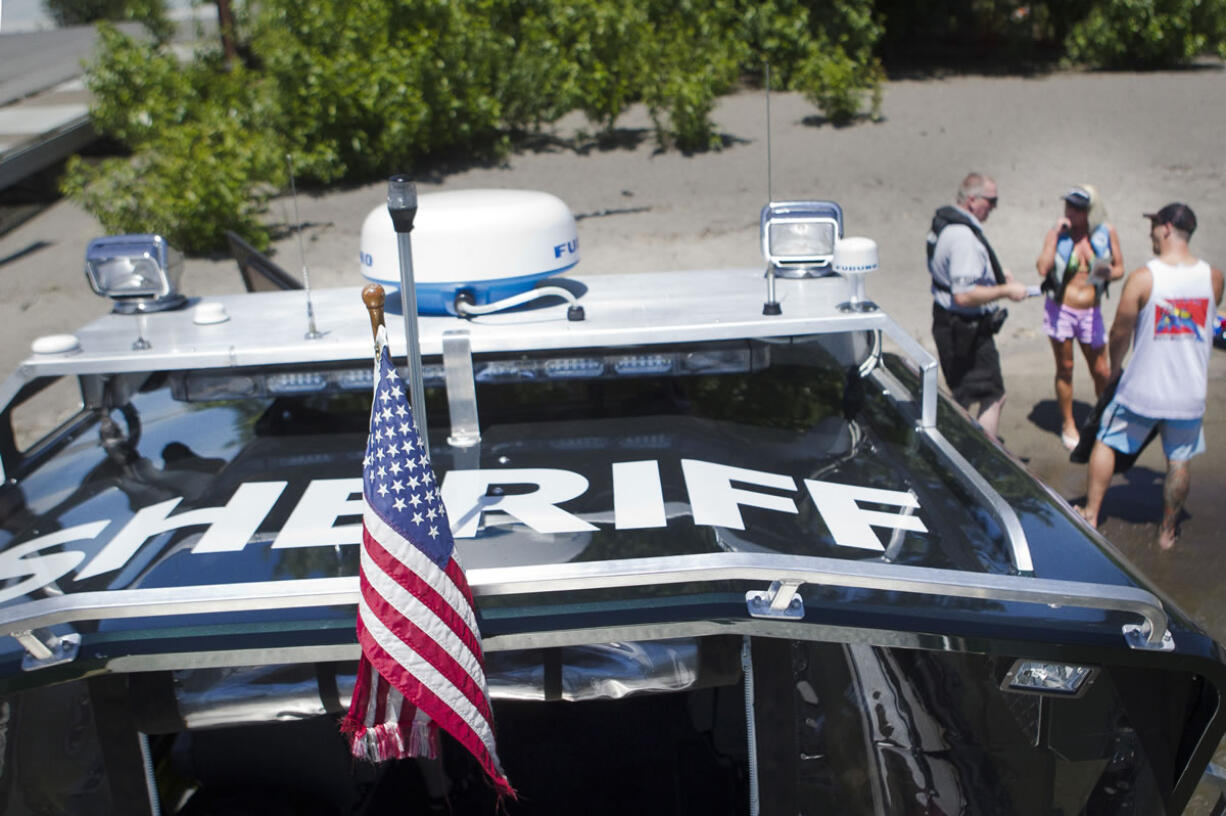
(1091,520)
(1167,537)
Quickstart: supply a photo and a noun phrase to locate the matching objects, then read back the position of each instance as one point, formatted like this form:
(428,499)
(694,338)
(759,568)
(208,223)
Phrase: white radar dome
(491,244)
(854,255)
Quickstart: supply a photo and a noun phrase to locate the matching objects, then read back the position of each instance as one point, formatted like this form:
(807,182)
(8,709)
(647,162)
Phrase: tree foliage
(1003,34)
(205,155)
(355,89)
(1148,33)
(79,12)
(352,89)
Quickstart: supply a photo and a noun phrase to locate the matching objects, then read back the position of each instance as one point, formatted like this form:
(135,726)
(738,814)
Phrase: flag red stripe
(421,589)
(436,708)
(411,633)
(456,573)
(421,649)
(438,652)
(409,664)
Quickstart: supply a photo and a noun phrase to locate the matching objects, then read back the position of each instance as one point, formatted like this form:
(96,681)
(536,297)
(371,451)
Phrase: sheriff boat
(732,551)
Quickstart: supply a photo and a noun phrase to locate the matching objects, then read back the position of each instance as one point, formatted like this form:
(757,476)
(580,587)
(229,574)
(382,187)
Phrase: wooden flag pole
(374,297)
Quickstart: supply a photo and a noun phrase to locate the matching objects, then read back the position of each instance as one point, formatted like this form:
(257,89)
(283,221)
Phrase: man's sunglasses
(990,199)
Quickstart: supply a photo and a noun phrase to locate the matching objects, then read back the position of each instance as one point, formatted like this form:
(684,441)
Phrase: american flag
(422,666)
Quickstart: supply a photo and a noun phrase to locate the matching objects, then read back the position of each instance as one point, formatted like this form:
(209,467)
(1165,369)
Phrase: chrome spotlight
(140,273)
(798,237)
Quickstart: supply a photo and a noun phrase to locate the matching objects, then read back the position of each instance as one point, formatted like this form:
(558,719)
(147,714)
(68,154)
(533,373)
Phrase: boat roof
(569,601)
(267,328)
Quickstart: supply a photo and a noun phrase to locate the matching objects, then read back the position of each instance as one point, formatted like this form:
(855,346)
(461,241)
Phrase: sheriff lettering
(476,501)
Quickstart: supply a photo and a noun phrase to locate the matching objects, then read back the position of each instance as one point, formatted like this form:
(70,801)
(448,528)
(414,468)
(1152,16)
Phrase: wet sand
(1143,140)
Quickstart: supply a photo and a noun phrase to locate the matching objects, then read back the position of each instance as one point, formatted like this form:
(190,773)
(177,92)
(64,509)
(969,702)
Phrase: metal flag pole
(402,206)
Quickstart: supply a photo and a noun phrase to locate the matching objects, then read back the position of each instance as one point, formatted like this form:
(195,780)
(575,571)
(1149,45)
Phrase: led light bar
(208,386)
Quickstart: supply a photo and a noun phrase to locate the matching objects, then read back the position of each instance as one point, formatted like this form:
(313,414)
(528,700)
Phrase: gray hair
(973,185)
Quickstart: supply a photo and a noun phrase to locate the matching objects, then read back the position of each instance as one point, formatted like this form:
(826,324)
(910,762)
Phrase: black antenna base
(772,307)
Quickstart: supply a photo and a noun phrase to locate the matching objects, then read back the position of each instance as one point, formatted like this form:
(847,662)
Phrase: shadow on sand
(1045,414)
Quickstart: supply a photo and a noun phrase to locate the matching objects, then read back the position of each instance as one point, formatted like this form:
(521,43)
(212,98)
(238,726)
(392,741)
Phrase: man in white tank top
(1166,313)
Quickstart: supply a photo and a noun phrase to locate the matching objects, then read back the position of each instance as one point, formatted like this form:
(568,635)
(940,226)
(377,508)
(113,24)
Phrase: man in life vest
(967,280)
(1166,313)
(1080,256)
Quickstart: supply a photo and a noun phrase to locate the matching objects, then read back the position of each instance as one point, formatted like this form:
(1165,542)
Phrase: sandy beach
(1143,140)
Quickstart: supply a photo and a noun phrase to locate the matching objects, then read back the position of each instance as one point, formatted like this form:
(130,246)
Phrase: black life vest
(947,215)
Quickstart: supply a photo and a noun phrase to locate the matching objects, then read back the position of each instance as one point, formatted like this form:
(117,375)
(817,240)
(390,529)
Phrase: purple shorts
(1086,325)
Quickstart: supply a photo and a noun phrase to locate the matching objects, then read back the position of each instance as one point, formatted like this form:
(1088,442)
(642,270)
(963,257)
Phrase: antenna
(770,193)
(312,333)
(771,306)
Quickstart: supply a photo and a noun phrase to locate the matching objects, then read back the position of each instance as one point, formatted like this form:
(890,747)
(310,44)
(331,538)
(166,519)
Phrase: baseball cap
(1079,197)
(1179,216)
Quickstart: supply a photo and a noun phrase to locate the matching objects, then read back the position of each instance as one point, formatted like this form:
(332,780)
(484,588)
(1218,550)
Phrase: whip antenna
(771,306)
(770,194)
(312,333)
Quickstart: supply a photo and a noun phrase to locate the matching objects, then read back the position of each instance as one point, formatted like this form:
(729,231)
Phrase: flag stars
(398,486)
(382,489)
(433,532)
(399,504)
(418,518)
(415,500)
(395,468)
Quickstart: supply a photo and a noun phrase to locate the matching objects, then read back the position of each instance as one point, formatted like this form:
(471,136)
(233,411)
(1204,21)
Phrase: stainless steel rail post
(402,206)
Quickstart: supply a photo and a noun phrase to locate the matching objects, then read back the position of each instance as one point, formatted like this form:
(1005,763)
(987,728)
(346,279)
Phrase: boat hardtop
(664,485)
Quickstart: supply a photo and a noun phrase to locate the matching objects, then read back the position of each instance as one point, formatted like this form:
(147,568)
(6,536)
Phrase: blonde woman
(1080,256)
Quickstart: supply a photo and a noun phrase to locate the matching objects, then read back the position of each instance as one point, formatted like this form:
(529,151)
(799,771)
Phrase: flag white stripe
(408,554)
(372,705)
(394,702)
(429,676)
(423,617)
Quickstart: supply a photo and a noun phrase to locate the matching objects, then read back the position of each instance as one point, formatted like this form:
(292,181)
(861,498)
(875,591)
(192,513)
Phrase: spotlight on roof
(798,237)
(140,273)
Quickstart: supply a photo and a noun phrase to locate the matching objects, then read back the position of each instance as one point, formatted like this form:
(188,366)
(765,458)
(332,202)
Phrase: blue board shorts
(1125,431)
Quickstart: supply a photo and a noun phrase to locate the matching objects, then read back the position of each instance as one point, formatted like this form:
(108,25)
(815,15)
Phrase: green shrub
(79,12)
(607,43)
(825,52)
(370,87)
(190,191)
(204,159)
(356,89)
(1148,33)
(696,56)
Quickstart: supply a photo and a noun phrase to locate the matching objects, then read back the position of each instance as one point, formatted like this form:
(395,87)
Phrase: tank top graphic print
(1168,373)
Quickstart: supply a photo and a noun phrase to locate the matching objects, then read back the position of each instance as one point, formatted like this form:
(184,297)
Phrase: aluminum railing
(30,622)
